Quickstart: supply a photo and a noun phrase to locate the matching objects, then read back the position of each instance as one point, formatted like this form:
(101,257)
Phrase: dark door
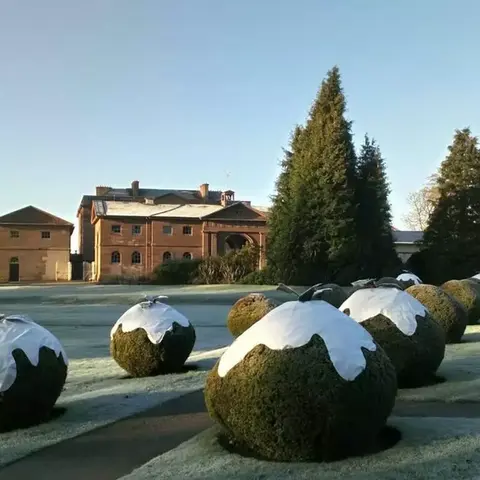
(14,272)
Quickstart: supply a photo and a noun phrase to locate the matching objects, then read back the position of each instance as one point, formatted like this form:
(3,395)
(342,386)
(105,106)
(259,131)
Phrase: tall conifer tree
(451,242)
(377,255)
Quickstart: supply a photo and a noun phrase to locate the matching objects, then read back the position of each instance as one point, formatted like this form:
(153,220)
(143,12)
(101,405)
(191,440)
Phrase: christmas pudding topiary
(407,279)
(151,338)
(444,309)
(247,311)
(466,293)
(328,292)
(403,327)
(304,383)
(33,370)
(390,282)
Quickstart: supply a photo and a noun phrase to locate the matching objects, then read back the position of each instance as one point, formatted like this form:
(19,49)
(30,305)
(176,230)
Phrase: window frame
(119,229)
(187,256)
(170,229)
(115,252)
(169,254)
(136,233)
(45,235)
(14,233)
(187,228)
(134,255)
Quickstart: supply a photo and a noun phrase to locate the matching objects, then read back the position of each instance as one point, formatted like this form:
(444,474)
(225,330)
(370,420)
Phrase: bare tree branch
(422,203)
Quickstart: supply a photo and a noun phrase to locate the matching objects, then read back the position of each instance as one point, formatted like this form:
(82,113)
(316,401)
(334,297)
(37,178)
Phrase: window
(167,230)
(187,230)
(136,258)
(116,228)
(167,256)
(115,257)
(187,256)
(14,260)
(45,234)
(14,234)
(136,229)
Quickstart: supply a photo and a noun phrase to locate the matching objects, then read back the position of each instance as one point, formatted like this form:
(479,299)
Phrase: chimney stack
(101,190)
(204,191)
(135,188)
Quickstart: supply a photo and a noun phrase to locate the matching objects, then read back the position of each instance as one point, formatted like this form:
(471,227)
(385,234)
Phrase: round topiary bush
(390,281)
(467,294)
(33,370)
(402,326)
(331,293)
(304,383)
(407,279)
(444,309)
(247,311)
(151,338)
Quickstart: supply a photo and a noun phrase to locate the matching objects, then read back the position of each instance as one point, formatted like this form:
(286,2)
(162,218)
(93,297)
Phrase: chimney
(204,191)
(135,188)
(102,190)
(228,197)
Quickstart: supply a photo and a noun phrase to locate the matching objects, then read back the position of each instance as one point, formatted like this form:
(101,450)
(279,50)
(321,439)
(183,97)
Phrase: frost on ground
(431,448)
(97,391)
(460,367)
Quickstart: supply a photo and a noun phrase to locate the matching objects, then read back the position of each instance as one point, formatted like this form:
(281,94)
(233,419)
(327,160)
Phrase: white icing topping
(406,277)
(21,332)
(397,305)
(154,317)
(292,325)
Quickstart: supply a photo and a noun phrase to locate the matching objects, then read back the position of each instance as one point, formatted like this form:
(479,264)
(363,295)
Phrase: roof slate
(33,216)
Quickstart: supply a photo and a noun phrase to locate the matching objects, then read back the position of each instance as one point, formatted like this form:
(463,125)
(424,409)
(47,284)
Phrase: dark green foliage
(332,294)
(376,249)
(450,242)
(417,357)
(318,239)
(467,295)
(259,277)
(445,310)
(135,353)
(291,405)
(176,272)
(31,398)
(247,311)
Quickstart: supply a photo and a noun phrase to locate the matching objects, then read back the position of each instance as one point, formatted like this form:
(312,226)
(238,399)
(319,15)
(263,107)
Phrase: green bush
(259,277)
(176,272)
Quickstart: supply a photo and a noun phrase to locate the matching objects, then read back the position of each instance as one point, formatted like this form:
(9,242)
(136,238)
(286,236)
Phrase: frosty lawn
(431,448)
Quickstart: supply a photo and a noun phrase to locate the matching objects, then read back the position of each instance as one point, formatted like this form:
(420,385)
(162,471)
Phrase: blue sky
(181,92)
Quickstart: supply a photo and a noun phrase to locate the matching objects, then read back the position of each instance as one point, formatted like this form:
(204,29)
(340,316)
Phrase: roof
(33,216)
(407,236)
(125,194)
(104,208)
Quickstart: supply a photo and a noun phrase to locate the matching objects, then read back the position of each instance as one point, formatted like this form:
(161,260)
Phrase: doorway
(14,270)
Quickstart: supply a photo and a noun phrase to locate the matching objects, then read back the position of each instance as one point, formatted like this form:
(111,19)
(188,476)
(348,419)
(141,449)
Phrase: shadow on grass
(56,412)
(429,381)
(184,369)
(387,438)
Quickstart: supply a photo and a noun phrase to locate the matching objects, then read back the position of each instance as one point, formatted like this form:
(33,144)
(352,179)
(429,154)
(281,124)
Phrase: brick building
(133,233)
(34,246)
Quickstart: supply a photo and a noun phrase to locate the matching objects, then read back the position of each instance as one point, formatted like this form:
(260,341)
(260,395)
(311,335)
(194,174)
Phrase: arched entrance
(236,241)
(14,270)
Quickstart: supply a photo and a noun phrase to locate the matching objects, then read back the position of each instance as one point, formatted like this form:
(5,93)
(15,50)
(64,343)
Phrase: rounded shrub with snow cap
(247,311)
(444,309)
(390,282)
(407,279)
(404,328)
(33,370)
(328,292)
(304,383)
(151,338)
(467,294)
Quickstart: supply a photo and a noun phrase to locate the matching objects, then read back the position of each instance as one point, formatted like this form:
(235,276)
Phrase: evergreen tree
(321,225)
(376,249)
(280,218)
(451,246)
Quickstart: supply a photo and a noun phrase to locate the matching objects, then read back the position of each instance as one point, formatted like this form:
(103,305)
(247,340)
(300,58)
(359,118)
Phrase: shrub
(176,272)
(325,397)
(247,311)
(259,277)
(151,338)
(467,295)
(29,388)
(403,327)
(445,310)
